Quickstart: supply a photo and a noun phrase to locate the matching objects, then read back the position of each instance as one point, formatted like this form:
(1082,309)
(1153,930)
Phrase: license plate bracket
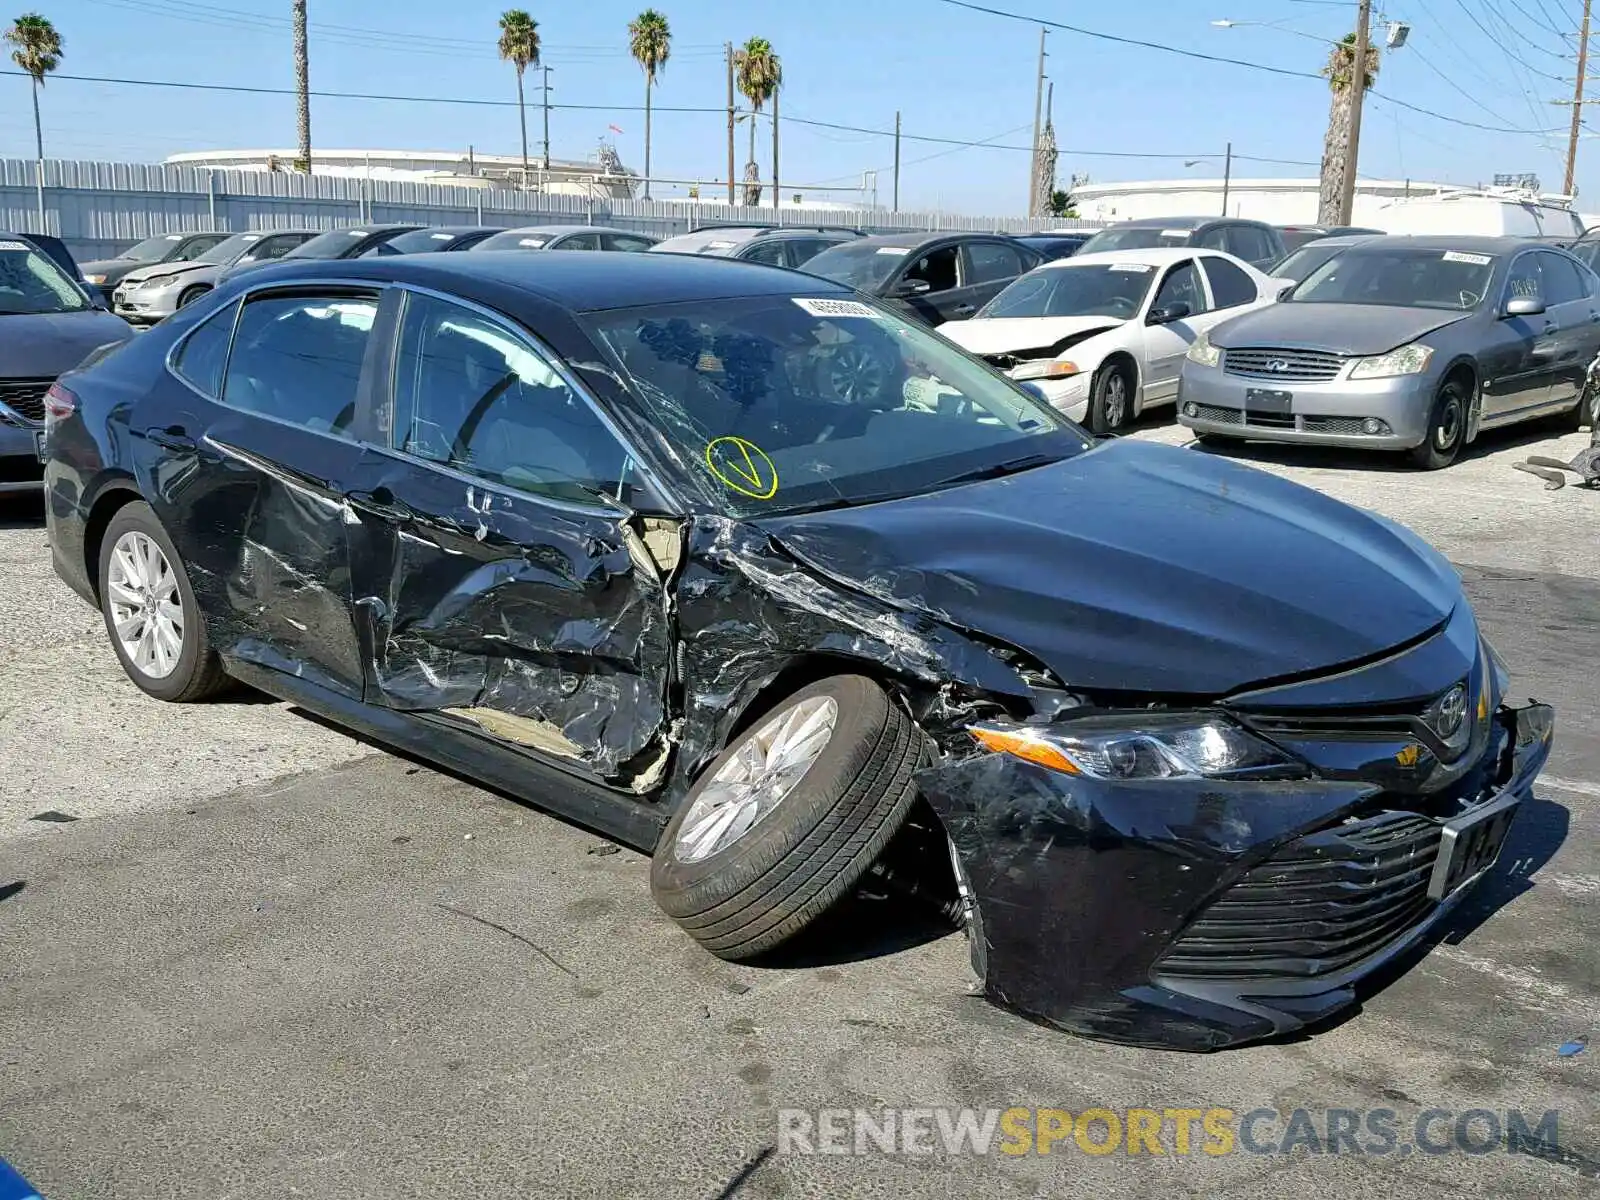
(39,439)
(1471,844)
(1267,400)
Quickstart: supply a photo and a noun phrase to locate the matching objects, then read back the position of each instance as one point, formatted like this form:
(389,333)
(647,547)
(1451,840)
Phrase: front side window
(473,395)
(1249,243)
(1560,280)
(1400,277)
(276,247)
(579,241)
(31,283)
(196,248)
(777,403)
(1114,290)
(1182,286)
(298,359)
(991,261)
(937,270)
(769,251)
(205,352)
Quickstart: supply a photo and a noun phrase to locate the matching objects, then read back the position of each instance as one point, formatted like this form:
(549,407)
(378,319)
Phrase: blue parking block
(14,1186)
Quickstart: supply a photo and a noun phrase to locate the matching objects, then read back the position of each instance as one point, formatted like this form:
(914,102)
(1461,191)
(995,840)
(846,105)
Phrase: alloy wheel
(756,778)
(146,607)
(1116,404)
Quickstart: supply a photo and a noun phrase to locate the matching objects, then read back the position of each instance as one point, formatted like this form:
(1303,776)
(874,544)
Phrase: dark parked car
(435,239)
(1254,241)
(567,237)
(1052,246)
(933,277)
(1295,236)
(749,572)
(106,273)
(1297,264)
(356,242)
(48,324)
(775,245)
(1403,343)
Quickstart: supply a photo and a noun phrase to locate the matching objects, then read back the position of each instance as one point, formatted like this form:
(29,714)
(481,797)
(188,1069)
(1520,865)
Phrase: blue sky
(953,73)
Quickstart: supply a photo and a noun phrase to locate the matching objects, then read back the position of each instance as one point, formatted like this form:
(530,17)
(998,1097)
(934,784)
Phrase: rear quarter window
(202,356)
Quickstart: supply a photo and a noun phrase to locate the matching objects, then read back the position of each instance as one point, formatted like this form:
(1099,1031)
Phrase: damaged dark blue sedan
(755,575)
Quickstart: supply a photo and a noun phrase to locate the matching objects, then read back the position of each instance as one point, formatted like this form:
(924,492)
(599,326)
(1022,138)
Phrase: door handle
(1594,317)
(1551,327)
(962,310)
(380,502)
(173,437)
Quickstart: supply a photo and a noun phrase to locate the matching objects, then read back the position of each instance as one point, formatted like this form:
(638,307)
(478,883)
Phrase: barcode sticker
(1477,260)
(15,246)
(835,308)
(1140,268)
(531,243)
(893,250)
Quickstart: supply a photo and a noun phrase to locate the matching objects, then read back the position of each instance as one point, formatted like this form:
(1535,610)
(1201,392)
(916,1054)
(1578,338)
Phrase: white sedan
(1108,332)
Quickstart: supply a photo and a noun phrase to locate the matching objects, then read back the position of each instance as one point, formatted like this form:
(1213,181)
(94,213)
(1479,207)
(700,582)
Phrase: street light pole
(1227,177)
(1358,84)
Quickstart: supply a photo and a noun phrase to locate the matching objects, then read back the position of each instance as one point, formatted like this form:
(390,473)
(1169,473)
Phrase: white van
(1476,214)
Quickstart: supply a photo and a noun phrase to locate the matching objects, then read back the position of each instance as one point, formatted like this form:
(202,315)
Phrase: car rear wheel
(1447,427)
(1111,399)
(150,611)
(788,818)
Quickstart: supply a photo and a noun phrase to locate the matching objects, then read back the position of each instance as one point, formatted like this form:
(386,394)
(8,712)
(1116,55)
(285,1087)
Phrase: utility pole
(1227,177)
(1358,95)
(728,53)
(897,162)
(1038,115)
(546,155)
(1577,99)
(776,196)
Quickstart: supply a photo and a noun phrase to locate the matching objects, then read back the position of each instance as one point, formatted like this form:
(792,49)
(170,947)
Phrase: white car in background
(1108,332)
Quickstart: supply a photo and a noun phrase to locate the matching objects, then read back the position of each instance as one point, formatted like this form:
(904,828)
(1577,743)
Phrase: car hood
(1002,335)
(1340,328)
(43,345)
(1136,567)
(155,269)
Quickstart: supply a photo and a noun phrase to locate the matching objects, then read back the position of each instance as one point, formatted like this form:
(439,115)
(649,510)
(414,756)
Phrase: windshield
(229,249)
(421,241)
(1300,263)
(706,241)
(153,249)
(31,283)
(1399,278)
(857,264)
(515,239)
(336,243)
(780,402)
(1135,237)
(1091,290)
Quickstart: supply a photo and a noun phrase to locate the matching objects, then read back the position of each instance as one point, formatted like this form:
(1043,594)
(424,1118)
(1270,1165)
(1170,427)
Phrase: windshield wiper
(995,470)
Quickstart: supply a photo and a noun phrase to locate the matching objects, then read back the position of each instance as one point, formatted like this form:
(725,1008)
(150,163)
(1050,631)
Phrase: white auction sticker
(1175,233)
(1477,260)
(531,243)
(15,246)
(1139,268)
(718,245)
(441,237)
(835,308)
(893,250)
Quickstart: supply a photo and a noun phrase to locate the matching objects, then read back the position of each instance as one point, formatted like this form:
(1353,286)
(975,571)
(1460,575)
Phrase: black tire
(809,851)
(190,295)
(1586,412)
(198,674)
(1111,399)
(1447,427)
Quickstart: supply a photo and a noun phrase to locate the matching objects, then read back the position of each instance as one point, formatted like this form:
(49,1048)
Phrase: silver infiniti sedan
(1414,344)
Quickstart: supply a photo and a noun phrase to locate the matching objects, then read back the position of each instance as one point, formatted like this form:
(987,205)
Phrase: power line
(1542,23)
(1502,46)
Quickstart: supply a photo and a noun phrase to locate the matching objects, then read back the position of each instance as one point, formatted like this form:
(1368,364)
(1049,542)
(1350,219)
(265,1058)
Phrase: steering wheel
(1127,306)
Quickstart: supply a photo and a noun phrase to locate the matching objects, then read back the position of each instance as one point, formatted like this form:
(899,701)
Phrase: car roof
(578,282)
(462,228)
(912,239)
(1156,256)
(1468,243)
(553,230)
(1172,222)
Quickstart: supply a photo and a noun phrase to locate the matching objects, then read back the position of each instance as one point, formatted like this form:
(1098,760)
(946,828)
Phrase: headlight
(1408,360)
(94,279)
(1045,368)
(157,281)
(1203,352)
(1125,746)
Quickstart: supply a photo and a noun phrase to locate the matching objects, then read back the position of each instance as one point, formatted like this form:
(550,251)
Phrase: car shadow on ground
(1535,836)
(21,511)
(1494,441)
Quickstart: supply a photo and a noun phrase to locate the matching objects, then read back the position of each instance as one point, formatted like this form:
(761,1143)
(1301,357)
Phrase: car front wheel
(150,611)
(788,818)
(1447,427)
(1111,400)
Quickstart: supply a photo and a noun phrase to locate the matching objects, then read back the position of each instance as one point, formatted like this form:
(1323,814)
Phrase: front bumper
(145,305)
(1320,414)
(20,468)
(1068,396)
(1106,909)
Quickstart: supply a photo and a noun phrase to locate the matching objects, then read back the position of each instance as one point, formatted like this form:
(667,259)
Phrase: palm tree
(38,52)
(519,46)
(649,41)
(760,77)
(1340,73)
(302,87)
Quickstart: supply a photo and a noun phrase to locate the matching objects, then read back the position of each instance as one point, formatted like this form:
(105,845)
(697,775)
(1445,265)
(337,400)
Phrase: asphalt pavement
(267,960)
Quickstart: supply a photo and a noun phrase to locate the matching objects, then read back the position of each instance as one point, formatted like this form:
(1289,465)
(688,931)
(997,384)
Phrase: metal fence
(99,208)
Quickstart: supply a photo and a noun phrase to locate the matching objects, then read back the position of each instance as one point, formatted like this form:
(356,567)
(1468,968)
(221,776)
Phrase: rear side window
(1229,285)
(621,241)
(203,355)
(1562,282)
(769,252)
(298,359)
(1249,243)
(1215,238)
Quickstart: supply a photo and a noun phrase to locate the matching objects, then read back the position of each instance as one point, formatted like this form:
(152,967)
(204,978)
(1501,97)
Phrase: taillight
(59,403)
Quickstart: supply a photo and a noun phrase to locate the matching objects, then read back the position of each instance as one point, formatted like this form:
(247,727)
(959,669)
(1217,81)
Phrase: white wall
(1276,201)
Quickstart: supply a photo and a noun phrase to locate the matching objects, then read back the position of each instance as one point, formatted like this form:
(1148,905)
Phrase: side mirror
(1285,286)
(910,287)
(1524,306)
(1168,313)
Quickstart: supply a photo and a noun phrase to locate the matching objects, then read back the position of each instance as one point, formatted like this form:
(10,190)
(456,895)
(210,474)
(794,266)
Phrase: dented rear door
(506,595)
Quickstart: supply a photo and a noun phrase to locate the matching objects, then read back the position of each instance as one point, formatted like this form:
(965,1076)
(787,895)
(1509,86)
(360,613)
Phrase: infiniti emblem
(1277,366)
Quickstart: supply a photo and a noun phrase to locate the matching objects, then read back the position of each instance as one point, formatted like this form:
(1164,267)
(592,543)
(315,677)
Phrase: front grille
(1347,426)
(1305,366)
(1270,420)
(25,397)
(1320,904)
(1219,416)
